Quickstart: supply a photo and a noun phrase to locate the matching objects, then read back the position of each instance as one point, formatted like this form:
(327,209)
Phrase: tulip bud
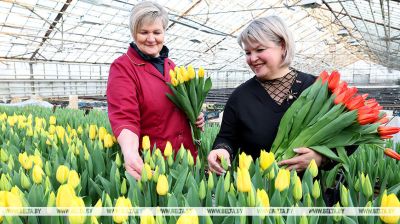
(357,185)
(3,155)
(313,168)
(47,168)
(147,170)
(62,174)
(232,190)
(146,143)
(123,186)
(316,190)
(170,161)
(162,185)
(210,181)
(202,190)
(102,133)
(367,187)
(337,218)
(25,182)
(282,181)
(243,180)
(344,196)
(271,174)
(198,163)
(227,181)
(189,216)
(52,120)
(390,200)
(37,174)
(51,201)
(168,149)
(107,201)
(156,174)
(181,152)
(297,189)
(48,184)
(10,164)
(97,208)
(308,201)
(147,156)
(303,219)
(251,197)
(201,72)
(73,178)
(190,159)
(4,183)
(92,131)
(146,217)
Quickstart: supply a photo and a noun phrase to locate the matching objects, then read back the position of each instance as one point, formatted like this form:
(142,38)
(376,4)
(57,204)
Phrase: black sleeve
(227,136)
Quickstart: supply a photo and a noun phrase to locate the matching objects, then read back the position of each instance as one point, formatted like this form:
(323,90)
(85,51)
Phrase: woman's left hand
(200,122)
(302,160)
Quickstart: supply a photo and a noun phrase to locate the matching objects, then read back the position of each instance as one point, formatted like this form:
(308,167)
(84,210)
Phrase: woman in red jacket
(136,91)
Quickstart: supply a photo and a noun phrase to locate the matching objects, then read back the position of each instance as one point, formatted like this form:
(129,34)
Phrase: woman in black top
(254,110)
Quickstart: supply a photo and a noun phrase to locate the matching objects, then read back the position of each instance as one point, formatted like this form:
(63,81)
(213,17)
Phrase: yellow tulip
(297,189)
(262,196)
(108,142)
(190,216)
(37,174)
(73,179)
(344,196)
(201,72)
(97,208)
(102,133)
(37,160)
(60,133)
(52,120)
(148,171)
(191,72)
(168,149)
(146,143)
(282,181)
(243,180)
(26,162)
(245,161)
(78,208)
(4,183)
(172,74)
(29,132)
(120,207)
(390,200)
(52,129)
(175,82)
(62,174)
(266,159)
(162,185)
(146,217)
(313,168)
(9,199)
(92,131)
(65,195)
(210,181)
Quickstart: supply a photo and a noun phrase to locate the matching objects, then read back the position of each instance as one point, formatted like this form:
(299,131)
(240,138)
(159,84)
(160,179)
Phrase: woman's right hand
(214,162)
(134,164)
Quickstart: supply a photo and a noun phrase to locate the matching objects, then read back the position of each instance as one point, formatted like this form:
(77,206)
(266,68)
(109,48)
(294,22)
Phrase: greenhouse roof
(328,34)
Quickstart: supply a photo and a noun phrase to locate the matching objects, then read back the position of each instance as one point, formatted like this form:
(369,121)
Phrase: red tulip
(383,120)
(333,81)
(367,118)
(365,95)
(340,88)
(391,153)
(324,76)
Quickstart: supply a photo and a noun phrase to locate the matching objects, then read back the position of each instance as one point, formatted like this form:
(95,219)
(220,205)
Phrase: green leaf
(323,150)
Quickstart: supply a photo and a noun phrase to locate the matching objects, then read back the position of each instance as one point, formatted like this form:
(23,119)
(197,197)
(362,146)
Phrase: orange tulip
(367,118)
(341,88)
(355,103)
(345,95)
(391,153)
(324,76)
(387,132)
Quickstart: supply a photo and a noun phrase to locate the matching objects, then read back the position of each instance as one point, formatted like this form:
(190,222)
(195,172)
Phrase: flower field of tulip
(68,159)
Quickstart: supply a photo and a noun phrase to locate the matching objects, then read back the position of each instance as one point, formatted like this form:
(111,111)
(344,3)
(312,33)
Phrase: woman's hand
(302,160)
(200,122)
(214,160)
(134,164)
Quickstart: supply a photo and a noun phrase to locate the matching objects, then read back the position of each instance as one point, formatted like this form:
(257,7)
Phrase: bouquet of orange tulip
(189,92)
(328,115)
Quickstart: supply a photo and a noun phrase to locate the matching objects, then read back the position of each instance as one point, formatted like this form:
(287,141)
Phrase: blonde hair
(270,28)
(145,12)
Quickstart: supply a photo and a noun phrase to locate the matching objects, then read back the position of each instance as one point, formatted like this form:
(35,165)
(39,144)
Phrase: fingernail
(295,150)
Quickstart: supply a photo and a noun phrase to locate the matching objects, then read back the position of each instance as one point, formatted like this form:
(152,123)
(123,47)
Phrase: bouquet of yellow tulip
(189,92)
(329,115)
